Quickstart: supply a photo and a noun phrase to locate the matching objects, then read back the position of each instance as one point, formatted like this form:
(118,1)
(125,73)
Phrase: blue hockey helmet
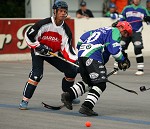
(60,4)
(112,5)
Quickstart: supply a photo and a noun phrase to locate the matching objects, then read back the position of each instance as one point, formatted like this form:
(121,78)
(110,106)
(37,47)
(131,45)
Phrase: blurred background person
(148,6)
(112,13)
(120,4)
(135,14)
(83,12)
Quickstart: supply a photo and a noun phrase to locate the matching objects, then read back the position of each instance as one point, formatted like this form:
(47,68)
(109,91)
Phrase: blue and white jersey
(134,13)
(99,44)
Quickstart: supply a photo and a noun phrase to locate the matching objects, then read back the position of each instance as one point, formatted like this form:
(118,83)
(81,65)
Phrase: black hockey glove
(146,19)
(43,49)
(115,24)
(124,65)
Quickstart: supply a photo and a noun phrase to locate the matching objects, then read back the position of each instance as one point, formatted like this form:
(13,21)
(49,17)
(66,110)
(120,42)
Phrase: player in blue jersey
(94,50)
(132,13)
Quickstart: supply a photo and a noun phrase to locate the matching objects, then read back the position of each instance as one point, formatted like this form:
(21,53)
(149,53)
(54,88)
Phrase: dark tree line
(12,8)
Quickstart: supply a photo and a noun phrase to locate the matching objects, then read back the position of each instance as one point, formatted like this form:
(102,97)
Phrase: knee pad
(72,73)
(138,45)
(35,77)
(123,45)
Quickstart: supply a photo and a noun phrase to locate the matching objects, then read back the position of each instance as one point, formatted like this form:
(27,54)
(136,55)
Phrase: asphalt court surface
(118,109)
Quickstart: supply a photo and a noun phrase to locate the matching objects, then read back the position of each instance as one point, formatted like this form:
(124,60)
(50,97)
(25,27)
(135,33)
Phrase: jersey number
(93,37)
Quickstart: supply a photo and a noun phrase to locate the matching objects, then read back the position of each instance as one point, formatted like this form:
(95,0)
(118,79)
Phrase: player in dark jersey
(135,12)
(95,48)
(50,35)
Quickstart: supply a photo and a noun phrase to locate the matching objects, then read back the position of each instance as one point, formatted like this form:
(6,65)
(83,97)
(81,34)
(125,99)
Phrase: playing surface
(118,109)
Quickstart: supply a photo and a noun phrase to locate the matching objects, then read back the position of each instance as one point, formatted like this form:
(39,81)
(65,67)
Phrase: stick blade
(51,107)
(132,91)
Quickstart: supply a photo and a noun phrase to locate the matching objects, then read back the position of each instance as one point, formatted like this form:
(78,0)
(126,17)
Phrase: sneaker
(23,105)
(115,73)
(86,111)
(65,98)
(139,73)
(76,101)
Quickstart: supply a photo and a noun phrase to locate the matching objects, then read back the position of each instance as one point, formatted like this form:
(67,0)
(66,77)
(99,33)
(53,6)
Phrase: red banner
(12,34)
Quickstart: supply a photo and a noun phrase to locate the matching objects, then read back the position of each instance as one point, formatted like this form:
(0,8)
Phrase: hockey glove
(124,65)
(115,24)
(146,19)
(43,49)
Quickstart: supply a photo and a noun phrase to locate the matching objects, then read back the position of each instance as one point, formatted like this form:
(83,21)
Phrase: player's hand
(43,49)
(115,24)
(124,65)
(146,19)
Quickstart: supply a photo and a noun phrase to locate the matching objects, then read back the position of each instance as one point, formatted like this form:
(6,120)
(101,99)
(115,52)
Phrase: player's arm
(115,50)
(67,49)
(32,35)
(147,17)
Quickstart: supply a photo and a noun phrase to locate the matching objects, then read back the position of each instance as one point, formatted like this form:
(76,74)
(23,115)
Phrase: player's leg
(35,76)
(138,46)
(79,88)
(69,71)
(98,77)
(94,75)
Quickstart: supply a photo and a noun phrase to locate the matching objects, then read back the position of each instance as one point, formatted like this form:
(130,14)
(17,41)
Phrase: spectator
(112,13)
(120,4)
(83,12)
(148,6)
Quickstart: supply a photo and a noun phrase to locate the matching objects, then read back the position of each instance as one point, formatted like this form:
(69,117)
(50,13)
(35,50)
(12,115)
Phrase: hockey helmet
(60,4)
(126,26)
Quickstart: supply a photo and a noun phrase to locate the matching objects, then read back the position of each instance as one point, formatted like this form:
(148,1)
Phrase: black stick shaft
(148,89)
(111,73)
(132,91)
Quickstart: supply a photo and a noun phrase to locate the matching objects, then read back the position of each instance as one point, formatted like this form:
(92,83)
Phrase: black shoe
(65,98)
(86,111)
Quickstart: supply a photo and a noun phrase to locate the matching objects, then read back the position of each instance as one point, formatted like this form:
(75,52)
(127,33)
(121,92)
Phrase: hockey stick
(61,106)
(63,59)
(131,91)
(135,21)
(52,107)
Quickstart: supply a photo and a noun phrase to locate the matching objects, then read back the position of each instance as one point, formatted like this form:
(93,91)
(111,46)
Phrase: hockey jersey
(59,38)
(99,44)
(134,13)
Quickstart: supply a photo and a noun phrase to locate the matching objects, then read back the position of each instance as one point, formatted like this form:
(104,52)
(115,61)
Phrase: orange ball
(88,124)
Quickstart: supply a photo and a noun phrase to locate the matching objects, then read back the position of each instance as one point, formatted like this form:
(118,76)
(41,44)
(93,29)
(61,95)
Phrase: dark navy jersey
(134,13)
(99,44)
